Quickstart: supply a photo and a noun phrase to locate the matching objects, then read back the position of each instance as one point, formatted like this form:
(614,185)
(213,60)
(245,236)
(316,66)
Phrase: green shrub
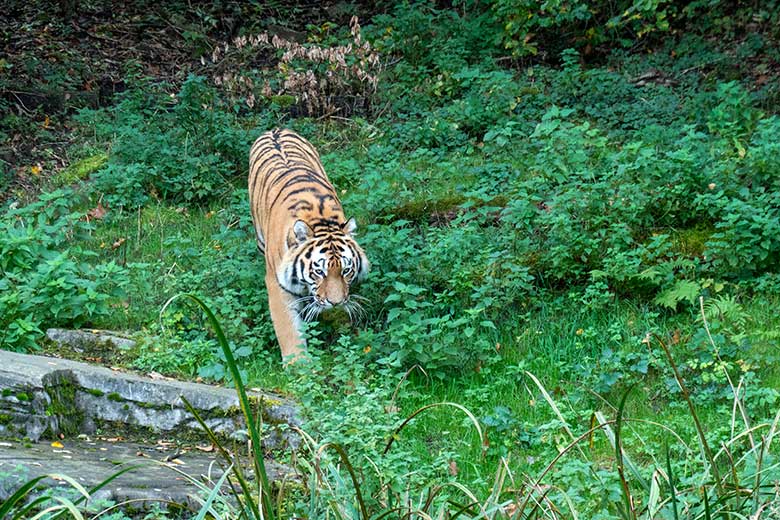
(47,280)
(529,25)
(187,147)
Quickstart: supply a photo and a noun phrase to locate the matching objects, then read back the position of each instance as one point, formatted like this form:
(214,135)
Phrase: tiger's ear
(299,234)
(349,226)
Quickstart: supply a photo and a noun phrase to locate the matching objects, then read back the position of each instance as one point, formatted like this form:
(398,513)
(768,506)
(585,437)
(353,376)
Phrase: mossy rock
(442,210)
(80,170)
(692,242)
(62,387)
(284,101)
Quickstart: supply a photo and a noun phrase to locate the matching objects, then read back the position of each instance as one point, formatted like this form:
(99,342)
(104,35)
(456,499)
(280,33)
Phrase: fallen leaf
(118,243)
(36,170)
(57,444)
(46,122)
(98,212)
(207,449)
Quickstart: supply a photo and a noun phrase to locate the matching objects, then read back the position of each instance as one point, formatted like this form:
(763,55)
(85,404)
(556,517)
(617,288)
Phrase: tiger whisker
(311,311)
(305,311)
(354,310)
(301,299)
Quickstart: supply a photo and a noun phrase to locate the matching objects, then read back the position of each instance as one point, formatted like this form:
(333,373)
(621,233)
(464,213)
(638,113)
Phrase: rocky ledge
(46,397)
(103,420)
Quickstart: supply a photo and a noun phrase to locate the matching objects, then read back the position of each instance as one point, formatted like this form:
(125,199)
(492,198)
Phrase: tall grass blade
(627,499)
(551,402)
(243,482)
(345,459)
(653,500)
(206,508)
(602,420)
(57,511)
(19,494)
(254,435)
(759,469)
(672,490)
(65,505)
(707,512)
(474,421)
(706,451)
(551,465)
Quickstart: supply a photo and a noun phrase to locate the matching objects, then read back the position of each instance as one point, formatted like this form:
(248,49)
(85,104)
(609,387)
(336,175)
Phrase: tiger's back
(311,257)
(287,183)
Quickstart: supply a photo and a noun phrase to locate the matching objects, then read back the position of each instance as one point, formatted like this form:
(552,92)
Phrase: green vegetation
(573,218)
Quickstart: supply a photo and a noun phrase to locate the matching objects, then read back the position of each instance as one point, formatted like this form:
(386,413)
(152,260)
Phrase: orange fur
(311,258)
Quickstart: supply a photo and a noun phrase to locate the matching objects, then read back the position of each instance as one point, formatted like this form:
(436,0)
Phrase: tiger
(311,257)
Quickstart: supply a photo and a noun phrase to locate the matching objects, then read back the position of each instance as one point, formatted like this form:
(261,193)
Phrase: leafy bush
(530,24)
(186,147)
(47,280)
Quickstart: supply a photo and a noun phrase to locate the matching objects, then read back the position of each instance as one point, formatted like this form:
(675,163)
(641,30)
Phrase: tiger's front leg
(285,319)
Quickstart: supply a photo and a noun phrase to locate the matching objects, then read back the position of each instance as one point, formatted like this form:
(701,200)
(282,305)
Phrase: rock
(157,480)
(49,397)
(89,340)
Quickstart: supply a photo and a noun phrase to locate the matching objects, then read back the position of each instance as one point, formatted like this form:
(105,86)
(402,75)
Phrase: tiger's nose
(334,301)
(325,302)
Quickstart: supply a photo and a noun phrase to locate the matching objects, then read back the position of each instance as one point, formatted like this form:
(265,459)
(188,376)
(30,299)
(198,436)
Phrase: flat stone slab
(50,397)
(90,339)
(158,480)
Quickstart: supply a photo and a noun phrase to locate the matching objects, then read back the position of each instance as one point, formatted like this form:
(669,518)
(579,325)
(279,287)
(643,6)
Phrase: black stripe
(262,166)
(322,198)
(294,192)
(302,178)
(258,149)
(304,204)
(285,289)
(357,258)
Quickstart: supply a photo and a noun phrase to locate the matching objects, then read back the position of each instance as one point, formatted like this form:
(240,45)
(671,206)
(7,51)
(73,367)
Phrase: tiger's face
(321,265)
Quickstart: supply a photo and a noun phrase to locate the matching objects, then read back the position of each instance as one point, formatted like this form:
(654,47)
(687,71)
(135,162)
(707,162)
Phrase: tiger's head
(321,264)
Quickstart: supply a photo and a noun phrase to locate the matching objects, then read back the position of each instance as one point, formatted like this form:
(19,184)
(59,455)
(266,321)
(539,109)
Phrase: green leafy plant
(46,282)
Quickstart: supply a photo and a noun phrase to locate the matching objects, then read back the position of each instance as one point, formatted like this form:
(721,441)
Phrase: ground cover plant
(573,219)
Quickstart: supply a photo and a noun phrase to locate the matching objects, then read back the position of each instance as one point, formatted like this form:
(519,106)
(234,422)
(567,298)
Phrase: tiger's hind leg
(285,319)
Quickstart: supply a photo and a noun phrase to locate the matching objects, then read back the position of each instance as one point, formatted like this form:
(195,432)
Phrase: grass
(547,339)
(519,245)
